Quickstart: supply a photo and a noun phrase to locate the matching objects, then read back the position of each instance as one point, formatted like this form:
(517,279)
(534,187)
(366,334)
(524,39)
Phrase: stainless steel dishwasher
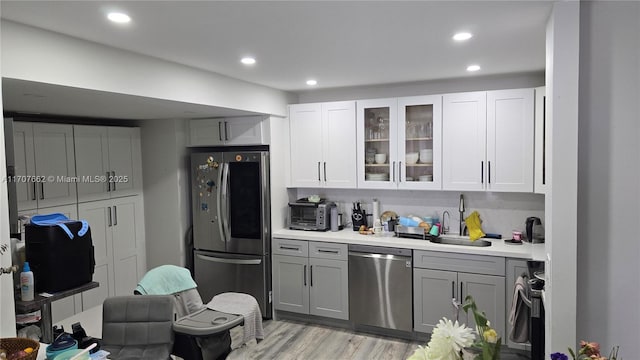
(380,287)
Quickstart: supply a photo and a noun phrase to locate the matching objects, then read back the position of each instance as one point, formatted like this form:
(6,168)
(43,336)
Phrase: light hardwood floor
(288,340)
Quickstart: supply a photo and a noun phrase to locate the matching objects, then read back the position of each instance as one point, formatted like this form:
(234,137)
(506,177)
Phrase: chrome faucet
(445,228)
(461,210)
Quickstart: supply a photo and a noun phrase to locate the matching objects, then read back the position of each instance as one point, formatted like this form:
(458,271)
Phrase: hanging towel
(241,304)
(474,226)
(519,314)
(165,280)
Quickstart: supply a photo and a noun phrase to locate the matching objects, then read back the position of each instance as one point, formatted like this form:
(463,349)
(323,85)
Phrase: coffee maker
(534,230)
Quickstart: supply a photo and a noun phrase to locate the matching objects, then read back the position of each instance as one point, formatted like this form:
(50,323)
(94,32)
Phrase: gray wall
(609,174)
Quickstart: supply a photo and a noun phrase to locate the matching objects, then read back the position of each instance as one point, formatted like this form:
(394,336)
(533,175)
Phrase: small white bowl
(411,158)
(426,156)
(426,178)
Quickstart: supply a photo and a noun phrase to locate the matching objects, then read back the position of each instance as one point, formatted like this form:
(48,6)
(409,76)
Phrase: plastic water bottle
(26,283)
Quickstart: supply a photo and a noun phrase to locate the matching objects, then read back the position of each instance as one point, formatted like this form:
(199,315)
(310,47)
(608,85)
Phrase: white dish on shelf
(426,178)
(411,158)
(376,177)
(426,156)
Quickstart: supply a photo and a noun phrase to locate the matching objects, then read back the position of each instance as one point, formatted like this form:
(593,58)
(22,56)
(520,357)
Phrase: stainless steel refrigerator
(232,224)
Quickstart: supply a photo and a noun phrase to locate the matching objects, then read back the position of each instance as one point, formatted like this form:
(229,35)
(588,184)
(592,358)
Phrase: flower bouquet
(587,351)
(452,341)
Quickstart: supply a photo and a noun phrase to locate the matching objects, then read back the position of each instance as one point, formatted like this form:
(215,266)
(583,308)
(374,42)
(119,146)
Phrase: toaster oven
(311,216)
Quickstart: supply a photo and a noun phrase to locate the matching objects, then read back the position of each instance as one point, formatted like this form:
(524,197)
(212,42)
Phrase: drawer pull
(329,251)
(289,248)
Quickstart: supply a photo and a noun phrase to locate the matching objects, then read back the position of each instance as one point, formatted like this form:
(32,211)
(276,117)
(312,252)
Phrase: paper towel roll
(376,210)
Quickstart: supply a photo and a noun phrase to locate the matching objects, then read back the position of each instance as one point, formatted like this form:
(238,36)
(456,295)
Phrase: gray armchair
(138,327)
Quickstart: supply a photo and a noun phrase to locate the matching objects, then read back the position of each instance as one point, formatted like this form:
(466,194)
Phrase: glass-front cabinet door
(419,142)
(377,155)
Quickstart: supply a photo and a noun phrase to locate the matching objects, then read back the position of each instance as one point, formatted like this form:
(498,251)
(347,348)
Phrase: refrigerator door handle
(223,203)
(229,261)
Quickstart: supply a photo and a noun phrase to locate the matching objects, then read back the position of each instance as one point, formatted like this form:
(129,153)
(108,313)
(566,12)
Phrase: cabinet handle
(108,182)
(489,173)
(34,191)
(311,274)
(394,171)
(481,172)
(113,180)
(461,297)
(399,171)
(41,190)
(318,170)
(220,130)
(289,248)
(325,171)
(115,215)
(226,131)
(305,275)
(453,289)
(109,216)
(328,251)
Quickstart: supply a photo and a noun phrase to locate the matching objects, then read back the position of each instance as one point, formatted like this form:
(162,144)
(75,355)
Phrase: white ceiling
(339,43)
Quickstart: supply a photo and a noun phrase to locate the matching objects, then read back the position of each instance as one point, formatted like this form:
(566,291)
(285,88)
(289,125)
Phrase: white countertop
(348,236)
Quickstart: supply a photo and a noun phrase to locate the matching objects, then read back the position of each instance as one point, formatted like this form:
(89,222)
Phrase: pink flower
(591,349)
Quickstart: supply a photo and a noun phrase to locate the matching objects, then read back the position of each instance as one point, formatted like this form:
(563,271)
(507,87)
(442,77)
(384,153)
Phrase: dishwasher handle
(387,257)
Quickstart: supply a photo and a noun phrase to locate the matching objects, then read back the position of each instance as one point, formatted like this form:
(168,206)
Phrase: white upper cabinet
(464,127)
(45,165)
(322,145)
(248,130)
(541,145)
(488,141)
(108,161)
(510,140)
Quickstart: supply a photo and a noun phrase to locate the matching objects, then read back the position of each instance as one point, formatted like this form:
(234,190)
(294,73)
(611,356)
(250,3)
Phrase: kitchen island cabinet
(311,278)
(322,145)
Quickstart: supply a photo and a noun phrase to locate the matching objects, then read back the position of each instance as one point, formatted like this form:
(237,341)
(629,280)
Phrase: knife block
(358,218)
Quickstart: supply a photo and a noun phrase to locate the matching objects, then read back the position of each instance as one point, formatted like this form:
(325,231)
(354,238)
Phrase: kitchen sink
(462,241)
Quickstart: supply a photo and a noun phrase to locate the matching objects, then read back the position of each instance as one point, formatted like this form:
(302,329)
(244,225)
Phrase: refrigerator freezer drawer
(216,273)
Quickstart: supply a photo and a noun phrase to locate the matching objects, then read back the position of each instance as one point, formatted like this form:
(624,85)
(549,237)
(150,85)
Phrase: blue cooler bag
(59,251)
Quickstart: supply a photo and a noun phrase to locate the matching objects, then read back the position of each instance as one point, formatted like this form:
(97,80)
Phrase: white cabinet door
(488,293)
(244,131)
(464,141)
(129,257)
(206,132)
(99,216)
(25,165)
(510,133)
(432,294)
(329,288)
(92,162)
(290,283)
(377,152)
(420,142)
(55,161)
(305,123)
(338,148)
(125,162)
(541,145)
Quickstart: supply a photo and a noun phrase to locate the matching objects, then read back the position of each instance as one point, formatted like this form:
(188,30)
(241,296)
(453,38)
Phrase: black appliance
(534,230)
(59,262)
(536,288)
(232,224)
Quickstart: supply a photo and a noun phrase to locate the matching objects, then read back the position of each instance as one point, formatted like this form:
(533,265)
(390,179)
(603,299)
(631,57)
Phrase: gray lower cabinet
(515,268)
(434,288)
(311,278)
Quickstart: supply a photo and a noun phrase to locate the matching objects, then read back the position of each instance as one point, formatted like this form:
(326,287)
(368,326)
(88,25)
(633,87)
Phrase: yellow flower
(490,335)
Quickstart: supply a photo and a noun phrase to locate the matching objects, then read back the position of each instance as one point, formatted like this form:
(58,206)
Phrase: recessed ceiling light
(311,82)
(473,67)
(117,17)
(461,36)
(248,60)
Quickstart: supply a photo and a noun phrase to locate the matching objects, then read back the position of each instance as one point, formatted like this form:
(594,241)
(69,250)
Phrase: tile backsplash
(500,212)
